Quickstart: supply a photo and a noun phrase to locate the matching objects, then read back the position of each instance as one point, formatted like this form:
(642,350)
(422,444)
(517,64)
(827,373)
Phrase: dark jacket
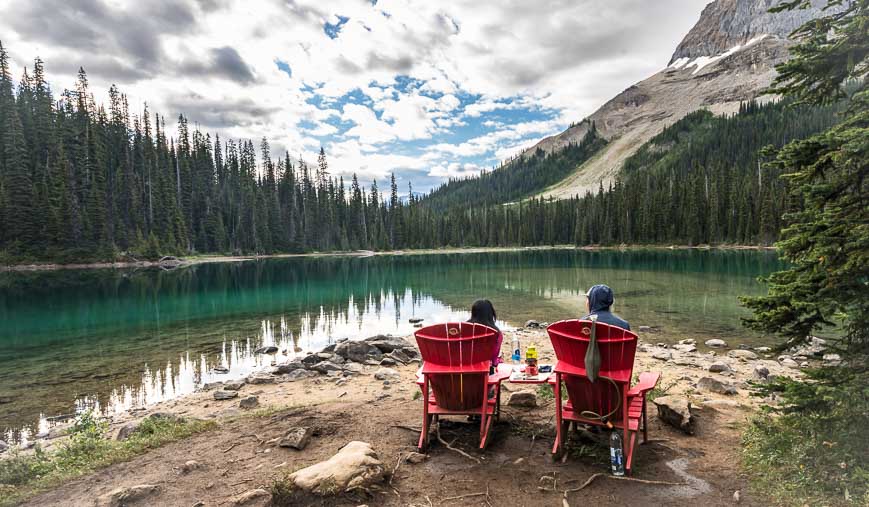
(600,299)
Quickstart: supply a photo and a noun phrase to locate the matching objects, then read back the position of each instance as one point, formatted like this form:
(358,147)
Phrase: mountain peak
(726,24)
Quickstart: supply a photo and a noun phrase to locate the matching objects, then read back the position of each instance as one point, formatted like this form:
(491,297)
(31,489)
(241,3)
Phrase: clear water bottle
(516,355)
(617,455)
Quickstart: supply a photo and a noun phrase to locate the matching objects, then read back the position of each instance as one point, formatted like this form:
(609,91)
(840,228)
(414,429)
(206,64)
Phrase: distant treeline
(81,181)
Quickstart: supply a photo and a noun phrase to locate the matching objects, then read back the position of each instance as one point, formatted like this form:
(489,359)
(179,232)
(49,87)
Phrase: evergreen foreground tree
(819,443)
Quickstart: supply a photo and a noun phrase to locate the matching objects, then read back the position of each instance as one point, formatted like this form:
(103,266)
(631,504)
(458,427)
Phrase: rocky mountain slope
(728,57)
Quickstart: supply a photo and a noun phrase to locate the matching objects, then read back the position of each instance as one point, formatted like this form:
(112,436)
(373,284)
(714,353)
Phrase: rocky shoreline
(362,375)
(719,375)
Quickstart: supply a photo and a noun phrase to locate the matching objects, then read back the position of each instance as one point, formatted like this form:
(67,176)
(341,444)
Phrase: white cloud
(216,62)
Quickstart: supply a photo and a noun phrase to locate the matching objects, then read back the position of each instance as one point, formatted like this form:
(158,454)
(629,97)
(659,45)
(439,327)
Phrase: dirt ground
(241,454)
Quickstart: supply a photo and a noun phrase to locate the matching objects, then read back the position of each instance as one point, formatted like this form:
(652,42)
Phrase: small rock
(189,466)
(719,367)
(789,363)
(676,411)
(418,325)
(249,402)
(225,395)
(662,355)
(763,350)
(125,431)
(804,364)
(685,347)
(352,367)
(415,457)
(532,324)
(355,466)
(387,361)
(685,361)
(325,367)
(220,369)
(415,320)
(688,341)
(234,385)
(123,496)
(645,329)
(715,386)
(386,374)
(760,372)
(261,378)
(833,359)
(3,446)
(736,496)
(746,355)
(251,498)
(715,343)
(270,349)
(300,375)
(290,367)
(296,438)
(522,399)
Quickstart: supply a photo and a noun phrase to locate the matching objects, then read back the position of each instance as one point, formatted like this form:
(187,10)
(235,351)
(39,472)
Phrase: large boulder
(676,411)
(358,351)
(355,466)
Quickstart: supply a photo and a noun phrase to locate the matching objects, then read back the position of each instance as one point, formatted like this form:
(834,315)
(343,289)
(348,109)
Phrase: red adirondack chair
(588,402)
(454,377)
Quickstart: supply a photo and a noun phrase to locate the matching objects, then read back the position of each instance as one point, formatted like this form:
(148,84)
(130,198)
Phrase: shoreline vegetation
(171,262)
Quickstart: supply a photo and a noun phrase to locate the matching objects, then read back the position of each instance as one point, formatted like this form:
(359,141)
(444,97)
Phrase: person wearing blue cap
(598,301)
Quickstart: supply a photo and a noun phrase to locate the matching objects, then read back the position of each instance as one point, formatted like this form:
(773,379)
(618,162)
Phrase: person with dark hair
(483,312)
(599,301)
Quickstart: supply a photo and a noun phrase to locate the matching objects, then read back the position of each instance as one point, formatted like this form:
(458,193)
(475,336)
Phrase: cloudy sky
(426,89)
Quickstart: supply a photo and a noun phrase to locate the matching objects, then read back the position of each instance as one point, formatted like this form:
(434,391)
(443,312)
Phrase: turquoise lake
(112,340)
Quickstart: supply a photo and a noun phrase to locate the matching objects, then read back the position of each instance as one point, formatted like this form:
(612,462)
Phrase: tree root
(448,446)
(616,478)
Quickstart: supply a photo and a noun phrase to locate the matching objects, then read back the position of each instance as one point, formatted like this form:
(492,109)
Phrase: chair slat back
(617,346)
(455,346)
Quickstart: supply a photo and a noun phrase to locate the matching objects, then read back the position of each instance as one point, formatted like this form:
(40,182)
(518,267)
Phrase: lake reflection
(115,340)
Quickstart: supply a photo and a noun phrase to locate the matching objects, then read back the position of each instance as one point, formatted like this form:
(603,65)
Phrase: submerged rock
(415,320)
(676,411)
(269,349)
(355,466)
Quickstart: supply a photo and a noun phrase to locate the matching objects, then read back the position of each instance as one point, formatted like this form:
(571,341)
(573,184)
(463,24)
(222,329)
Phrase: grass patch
(87,449)
(546,393)
(660,390)
(815,449)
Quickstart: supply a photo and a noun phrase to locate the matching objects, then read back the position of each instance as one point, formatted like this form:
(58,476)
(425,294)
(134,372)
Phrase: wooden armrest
(648,381)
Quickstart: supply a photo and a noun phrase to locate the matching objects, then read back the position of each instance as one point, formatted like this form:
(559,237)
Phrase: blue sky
(425,90)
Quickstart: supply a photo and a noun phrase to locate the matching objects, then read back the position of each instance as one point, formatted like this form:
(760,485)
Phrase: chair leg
(426,419)
(645,422)
(557,446)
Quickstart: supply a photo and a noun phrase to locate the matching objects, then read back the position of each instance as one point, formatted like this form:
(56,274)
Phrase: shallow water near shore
(119,339)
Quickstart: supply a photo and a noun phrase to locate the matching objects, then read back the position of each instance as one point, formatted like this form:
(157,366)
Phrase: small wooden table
(541,378)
